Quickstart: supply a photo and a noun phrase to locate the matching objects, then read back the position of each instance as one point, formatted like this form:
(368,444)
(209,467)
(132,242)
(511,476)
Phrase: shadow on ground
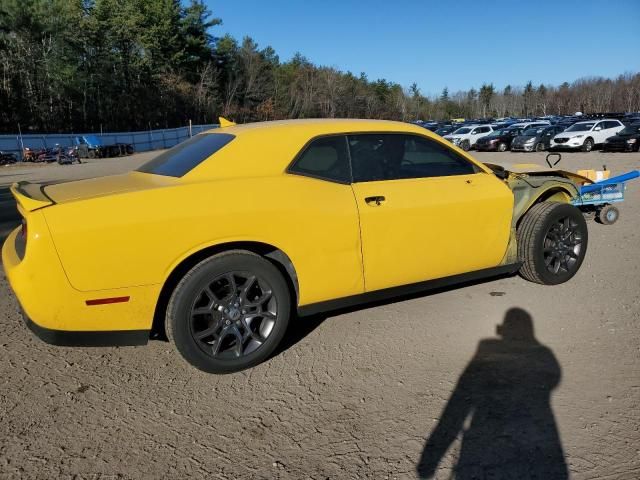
(500,409)
(301,327)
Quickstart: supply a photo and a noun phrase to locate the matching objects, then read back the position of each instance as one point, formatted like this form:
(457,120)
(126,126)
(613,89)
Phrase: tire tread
(531,224)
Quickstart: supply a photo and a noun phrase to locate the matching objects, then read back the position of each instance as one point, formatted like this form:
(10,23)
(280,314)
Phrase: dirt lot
(355,394)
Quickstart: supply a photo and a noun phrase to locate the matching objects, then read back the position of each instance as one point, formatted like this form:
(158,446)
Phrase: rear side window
(184,157)
(325,158)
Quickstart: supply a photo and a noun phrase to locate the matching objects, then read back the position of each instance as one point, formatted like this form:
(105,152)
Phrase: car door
(478,133)
(320,189)
(425,211)
(614,127)
(599,132)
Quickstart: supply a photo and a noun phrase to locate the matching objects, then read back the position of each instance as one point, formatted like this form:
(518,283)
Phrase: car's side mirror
(597,129)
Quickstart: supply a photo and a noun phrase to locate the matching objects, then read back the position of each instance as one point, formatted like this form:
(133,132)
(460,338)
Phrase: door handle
(375,201)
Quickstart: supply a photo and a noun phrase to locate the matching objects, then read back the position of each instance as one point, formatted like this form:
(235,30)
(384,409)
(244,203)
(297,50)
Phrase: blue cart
(598,198)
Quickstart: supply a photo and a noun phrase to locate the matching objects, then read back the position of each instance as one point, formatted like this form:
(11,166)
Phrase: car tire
(608,215)
(552,242)
(502,147)
(465,145)
(215,326)
(587,146)
(539,147)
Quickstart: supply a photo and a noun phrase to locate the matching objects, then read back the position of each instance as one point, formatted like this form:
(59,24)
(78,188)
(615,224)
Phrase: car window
(395,156)
(185,156)
(325,158)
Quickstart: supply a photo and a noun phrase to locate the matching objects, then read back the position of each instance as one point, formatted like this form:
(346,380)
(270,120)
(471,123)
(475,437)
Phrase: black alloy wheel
(233,314)
(562,246)
(552,242)
(229,312)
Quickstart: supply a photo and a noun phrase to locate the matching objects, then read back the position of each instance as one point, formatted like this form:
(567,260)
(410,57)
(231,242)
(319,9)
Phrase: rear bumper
(69,338)
(61,315)
(486,148)
(522,148)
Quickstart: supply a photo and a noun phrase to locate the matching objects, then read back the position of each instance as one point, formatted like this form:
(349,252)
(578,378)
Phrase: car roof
(268,147)
(318,126)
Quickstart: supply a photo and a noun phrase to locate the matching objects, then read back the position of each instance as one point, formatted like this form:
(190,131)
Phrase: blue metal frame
(606,191)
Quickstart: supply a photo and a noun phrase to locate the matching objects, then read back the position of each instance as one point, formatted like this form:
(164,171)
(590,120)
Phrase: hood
(571,134)
(103,186)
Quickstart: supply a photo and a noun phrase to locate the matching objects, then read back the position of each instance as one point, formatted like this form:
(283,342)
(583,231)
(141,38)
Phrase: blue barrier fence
(141,141)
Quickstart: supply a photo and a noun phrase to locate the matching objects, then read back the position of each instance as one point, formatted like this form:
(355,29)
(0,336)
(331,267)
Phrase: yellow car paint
(426,222)
(124,235)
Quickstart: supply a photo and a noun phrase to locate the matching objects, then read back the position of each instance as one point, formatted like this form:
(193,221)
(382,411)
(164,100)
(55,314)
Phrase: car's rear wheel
(229,312)
(587,146)
(502,147)
(552,242)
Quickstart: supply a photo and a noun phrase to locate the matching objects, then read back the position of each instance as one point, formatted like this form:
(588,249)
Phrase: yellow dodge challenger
(220,241)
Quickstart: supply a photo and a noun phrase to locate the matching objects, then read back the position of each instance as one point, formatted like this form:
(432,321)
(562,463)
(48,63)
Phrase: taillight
(21,240)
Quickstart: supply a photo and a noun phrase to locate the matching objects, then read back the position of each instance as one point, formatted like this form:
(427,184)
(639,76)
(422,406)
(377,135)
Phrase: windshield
(497,133)
(630,130)
(533,132)
(461,131)
(581,127)
(185,156)
(443,131)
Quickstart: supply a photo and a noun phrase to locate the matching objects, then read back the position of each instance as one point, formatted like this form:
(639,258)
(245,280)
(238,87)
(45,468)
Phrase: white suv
(586,135)
(466,137)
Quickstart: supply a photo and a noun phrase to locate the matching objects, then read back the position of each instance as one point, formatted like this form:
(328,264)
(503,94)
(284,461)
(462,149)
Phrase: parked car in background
(498,140)
(443,131)
(531,124)
(586,135)
(466,137)
(91,146)
(7,158)
(626,140)
(536,139)
(631,119)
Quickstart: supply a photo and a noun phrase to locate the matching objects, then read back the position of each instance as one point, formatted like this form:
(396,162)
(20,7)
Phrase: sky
(457,44)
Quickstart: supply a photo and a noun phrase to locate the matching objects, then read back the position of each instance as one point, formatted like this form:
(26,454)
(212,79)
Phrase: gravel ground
(355,394)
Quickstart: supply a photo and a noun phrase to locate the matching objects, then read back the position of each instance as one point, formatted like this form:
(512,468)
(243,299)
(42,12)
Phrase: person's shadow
(501,410)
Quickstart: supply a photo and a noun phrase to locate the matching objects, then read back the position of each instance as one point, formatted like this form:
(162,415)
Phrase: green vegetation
(86,65)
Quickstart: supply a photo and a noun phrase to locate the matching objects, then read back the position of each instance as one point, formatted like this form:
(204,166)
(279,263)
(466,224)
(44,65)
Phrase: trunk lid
(103,186)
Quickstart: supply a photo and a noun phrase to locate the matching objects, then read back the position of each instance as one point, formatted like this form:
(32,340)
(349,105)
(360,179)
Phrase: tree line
(118,65)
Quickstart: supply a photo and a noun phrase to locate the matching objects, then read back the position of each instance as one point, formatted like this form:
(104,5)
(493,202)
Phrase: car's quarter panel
(430,228)
(49,300)
(137,238)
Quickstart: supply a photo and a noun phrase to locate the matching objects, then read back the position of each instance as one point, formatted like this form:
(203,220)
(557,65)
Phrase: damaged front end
(532,184)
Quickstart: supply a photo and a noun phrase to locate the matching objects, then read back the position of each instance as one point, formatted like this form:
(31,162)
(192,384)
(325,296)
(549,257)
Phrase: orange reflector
(106,301)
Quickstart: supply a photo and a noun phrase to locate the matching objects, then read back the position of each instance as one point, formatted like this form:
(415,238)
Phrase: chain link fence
(141,141)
